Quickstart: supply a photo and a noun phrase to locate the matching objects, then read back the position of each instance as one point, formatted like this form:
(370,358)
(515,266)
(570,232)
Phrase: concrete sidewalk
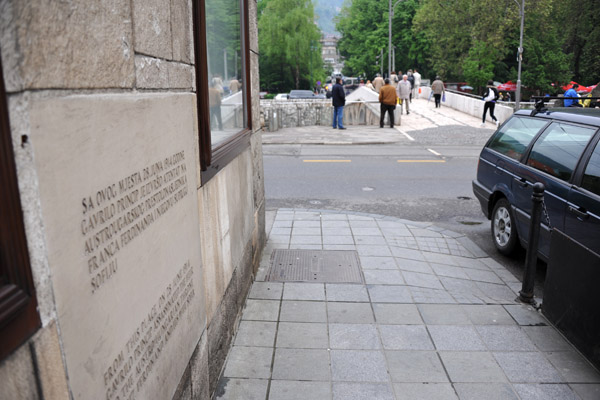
(423,115)
(435,318)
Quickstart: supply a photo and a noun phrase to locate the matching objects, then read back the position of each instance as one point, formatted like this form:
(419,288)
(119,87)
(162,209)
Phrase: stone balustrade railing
(362,108)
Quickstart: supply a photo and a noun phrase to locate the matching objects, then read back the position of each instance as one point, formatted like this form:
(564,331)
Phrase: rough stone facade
(95,54)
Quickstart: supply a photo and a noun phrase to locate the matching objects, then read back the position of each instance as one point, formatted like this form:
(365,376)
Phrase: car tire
(504,229)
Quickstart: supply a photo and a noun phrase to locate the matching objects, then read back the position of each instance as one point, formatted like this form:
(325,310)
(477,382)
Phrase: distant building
(330,53)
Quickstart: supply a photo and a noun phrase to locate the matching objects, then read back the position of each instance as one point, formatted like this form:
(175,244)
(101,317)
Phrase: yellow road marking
(327,161)
(421,161)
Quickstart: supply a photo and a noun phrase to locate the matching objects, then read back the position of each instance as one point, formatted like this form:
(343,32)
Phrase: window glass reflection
(224,59)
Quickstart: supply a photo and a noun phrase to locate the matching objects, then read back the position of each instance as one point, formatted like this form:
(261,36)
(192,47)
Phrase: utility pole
(390,40)
(311,69)
(313,47)
(225,64)
(520,53)
(390,16)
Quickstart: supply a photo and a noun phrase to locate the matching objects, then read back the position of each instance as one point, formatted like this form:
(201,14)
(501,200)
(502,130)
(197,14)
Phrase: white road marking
(421,161)
(327,161)
(407,136)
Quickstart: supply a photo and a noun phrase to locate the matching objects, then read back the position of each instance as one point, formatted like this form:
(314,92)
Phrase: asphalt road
(428,179)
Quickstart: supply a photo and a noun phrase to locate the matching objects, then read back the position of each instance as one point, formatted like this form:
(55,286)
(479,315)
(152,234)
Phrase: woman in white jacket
(490,96)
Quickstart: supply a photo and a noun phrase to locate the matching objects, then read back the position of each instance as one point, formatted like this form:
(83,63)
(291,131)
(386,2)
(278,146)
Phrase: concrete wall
(83,80)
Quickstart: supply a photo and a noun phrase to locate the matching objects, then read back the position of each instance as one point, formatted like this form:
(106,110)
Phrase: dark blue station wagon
(559,148)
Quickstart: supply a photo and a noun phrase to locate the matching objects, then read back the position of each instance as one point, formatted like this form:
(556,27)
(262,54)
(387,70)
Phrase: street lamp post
(313,47)
(380,60)
(390,16)
(520,53)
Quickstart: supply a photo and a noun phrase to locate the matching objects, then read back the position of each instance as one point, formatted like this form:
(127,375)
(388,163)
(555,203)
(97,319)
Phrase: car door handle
(581,214)
(521,182)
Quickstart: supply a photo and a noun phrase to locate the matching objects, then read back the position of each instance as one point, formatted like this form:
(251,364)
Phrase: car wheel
(504,230)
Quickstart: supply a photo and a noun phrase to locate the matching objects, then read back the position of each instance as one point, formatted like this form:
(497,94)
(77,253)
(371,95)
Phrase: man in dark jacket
(339,100)
(388,100)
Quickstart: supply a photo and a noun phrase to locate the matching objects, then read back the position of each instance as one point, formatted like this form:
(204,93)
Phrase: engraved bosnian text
(116,215)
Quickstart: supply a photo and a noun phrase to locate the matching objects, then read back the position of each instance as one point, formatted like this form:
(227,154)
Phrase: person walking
(417,76)
(218,84)
(394,79)
(234,85)
(411,79)
(403,91)
(369,85)
(338,100)
(378,83)
(214,101)
(490,96)
(387,99)
(437,87)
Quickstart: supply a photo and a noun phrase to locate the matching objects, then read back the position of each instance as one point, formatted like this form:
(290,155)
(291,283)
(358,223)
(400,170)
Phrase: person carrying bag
(490,97)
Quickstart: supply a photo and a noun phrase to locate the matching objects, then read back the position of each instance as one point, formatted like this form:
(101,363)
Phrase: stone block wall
(139,52)
(276,115)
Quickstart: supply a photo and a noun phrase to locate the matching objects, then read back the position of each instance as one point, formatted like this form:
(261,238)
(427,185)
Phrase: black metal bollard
(537,197)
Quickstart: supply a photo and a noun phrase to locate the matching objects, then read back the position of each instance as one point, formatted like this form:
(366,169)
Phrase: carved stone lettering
(131,367)
(117,214)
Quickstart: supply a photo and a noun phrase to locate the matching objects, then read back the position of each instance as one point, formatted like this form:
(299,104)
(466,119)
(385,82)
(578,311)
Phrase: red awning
(509,86)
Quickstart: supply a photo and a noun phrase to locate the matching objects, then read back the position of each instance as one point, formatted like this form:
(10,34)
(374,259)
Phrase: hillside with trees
(473,41)
(326,12)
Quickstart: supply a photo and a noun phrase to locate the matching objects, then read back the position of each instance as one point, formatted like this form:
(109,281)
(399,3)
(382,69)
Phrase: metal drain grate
(325,266)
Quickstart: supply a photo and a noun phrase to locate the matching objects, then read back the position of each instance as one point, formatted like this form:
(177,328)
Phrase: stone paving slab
(435,319)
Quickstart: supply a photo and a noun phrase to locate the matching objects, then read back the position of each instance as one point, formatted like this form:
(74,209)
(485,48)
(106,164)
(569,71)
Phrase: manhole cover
(325,266)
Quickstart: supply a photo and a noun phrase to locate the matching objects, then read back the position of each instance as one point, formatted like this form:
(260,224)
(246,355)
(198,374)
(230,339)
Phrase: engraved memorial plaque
(117,179)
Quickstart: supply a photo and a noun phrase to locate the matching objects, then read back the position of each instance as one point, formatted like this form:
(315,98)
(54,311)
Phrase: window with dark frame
(558,149)
(221,46)
(19,318)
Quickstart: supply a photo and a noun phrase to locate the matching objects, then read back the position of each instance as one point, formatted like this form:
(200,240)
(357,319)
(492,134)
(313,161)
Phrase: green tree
(478,66)
(364,28)
(580,28)
(364,33)
(544,61)
(290,50)
(223,37)
(478,40)
(459,30)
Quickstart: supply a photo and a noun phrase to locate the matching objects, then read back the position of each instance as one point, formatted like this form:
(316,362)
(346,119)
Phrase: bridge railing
(276,115)
(470,104)
(362,108)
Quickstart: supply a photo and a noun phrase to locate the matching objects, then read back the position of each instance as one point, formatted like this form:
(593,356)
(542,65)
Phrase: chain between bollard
(546,215)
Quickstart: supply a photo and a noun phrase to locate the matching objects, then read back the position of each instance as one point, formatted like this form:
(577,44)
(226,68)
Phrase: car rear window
(558,149)
(515,135)
(591,176)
